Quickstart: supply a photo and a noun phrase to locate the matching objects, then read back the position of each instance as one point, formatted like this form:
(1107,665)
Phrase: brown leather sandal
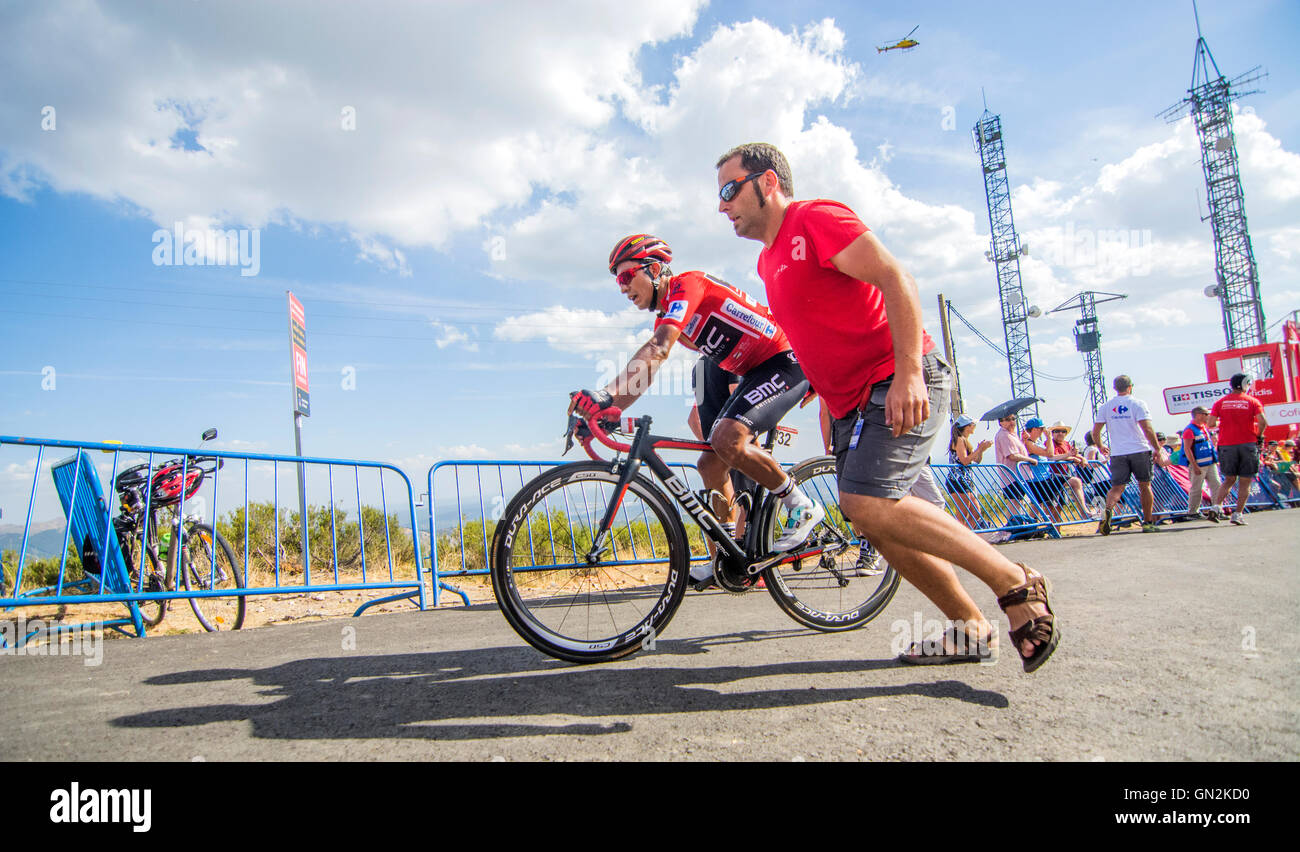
(966,649)
(1041,630)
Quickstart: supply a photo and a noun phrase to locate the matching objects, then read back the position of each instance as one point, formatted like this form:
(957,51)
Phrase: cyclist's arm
(640,371)
(824,415)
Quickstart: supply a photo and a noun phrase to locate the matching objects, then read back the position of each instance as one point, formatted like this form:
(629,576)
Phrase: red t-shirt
(722,323)
(1236,413)
(836,324)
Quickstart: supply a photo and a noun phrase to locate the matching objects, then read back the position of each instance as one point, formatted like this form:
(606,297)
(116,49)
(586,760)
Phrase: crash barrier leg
(1051,483)
(1262,494)
(470,496)
(241,501)
(1003,501)
(1282,487)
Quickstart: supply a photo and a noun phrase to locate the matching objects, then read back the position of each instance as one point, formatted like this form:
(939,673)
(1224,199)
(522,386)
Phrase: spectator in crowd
(1202,458)
(1240,418)
(1009,450)
(1092,474)
(1133,450)
(1051,481)
(1174,449)
(1278,462)
(960,482)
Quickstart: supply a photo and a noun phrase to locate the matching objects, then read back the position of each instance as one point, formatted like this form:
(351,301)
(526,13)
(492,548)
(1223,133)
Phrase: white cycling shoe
(798,526)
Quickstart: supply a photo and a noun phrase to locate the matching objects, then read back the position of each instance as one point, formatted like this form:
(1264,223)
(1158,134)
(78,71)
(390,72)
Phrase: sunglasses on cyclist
(625,277)
(731,187)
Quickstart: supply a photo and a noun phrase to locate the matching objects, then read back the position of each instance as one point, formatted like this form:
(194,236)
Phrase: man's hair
(759,157)
(1200,409)
(1123,383)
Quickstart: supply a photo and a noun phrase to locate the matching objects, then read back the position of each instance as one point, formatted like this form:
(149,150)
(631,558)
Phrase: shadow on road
(494,692)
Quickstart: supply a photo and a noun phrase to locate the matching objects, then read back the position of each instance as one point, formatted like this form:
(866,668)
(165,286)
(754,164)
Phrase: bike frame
(754,557)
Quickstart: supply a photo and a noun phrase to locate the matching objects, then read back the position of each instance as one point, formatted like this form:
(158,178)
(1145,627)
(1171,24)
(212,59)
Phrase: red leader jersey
(836,324)
(722,323)
(1236,413)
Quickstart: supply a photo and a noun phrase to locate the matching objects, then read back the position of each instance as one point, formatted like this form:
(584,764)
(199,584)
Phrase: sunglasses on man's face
(731,187)
(625,277)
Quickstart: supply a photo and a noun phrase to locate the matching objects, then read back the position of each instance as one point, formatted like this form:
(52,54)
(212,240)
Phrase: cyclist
(736,333)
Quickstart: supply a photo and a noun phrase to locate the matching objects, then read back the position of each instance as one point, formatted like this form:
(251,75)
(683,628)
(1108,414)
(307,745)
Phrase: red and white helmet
(639,247)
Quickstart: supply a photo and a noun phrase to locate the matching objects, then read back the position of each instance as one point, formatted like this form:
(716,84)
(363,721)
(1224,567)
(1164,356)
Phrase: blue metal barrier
(461,550)
(992,498)
(1051,483)
(370,546)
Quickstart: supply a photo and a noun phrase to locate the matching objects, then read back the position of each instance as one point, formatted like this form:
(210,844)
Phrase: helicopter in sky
(905,43)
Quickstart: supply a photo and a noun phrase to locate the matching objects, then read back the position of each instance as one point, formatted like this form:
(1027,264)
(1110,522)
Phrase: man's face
(1035,433)
(1008,423)
(747,217)
(640,290)
(1200,418)
(1059,437)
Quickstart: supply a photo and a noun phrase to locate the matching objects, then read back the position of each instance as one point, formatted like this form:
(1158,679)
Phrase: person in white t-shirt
(1133,448)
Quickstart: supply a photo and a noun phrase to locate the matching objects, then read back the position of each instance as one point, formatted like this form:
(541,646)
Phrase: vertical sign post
(301,409)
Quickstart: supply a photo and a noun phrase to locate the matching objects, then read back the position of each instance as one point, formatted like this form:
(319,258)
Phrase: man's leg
(1243,492)
(733,442)
(1196,474)
(1076,485)
(919,539)
(1148,496)
(714,471)
(1224,489)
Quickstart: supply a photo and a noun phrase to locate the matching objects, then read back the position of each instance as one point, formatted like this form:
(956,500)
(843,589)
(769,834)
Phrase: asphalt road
(1178,646)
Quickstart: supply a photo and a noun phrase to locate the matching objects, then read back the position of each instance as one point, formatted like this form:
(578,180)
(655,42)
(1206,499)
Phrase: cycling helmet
(167,485)
(1241,381)
(639,247)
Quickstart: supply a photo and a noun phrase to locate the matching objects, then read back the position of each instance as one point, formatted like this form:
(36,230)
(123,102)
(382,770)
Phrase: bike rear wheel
(828,592)
(573,609)
(209,564)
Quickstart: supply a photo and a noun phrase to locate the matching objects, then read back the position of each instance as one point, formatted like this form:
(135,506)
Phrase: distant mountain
(39,544)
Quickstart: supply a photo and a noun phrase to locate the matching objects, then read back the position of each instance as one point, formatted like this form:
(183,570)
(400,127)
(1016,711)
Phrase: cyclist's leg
(766,393)
(712,386)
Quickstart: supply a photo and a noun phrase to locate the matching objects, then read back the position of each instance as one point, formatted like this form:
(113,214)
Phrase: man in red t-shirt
(853,315)
(1239,437)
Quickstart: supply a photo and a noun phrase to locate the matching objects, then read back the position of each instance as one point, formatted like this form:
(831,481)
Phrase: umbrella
(1009,407)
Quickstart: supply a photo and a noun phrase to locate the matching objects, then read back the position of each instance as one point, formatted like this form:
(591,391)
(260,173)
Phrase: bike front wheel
(835,590)
(570,603)
(210,564)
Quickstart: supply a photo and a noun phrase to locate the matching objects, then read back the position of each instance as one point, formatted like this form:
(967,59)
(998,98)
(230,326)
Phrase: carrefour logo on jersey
(676,311)
(748,318)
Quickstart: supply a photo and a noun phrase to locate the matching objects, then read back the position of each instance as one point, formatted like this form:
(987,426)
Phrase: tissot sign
(1184,398)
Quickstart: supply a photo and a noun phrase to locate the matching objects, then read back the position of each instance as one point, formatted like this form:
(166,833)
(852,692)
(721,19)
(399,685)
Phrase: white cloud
(446,132)
(580,331)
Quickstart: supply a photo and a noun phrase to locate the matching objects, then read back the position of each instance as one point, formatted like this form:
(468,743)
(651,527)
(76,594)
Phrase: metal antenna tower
(1005,252)
(1209,102)
(1087,339)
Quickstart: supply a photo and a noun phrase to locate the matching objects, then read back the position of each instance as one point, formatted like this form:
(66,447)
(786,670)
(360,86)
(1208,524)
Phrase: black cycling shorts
(766,394)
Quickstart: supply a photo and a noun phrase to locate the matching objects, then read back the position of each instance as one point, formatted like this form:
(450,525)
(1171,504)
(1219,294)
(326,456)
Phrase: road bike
(182,552)
(590,560)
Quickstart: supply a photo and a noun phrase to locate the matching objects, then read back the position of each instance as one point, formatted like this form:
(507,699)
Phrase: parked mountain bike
(182,553)
(590,560)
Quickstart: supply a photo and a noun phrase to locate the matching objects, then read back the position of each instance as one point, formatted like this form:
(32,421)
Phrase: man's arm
(1157,453)
(866,259)
(640,371)
(824,415)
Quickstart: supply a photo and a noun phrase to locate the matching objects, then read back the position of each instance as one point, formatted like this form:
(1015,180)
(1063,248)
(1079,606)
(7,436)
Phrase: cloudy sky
(440,184)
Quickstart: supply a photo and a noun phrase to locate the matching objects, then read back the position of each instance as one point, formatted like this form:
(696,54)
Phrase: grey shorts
(882,465)
(1239,460)
(1135,465)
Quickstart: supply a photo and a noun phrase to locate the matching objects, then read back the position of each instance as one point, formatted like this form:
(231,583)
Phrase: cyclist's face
(640,289)
(747,217)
